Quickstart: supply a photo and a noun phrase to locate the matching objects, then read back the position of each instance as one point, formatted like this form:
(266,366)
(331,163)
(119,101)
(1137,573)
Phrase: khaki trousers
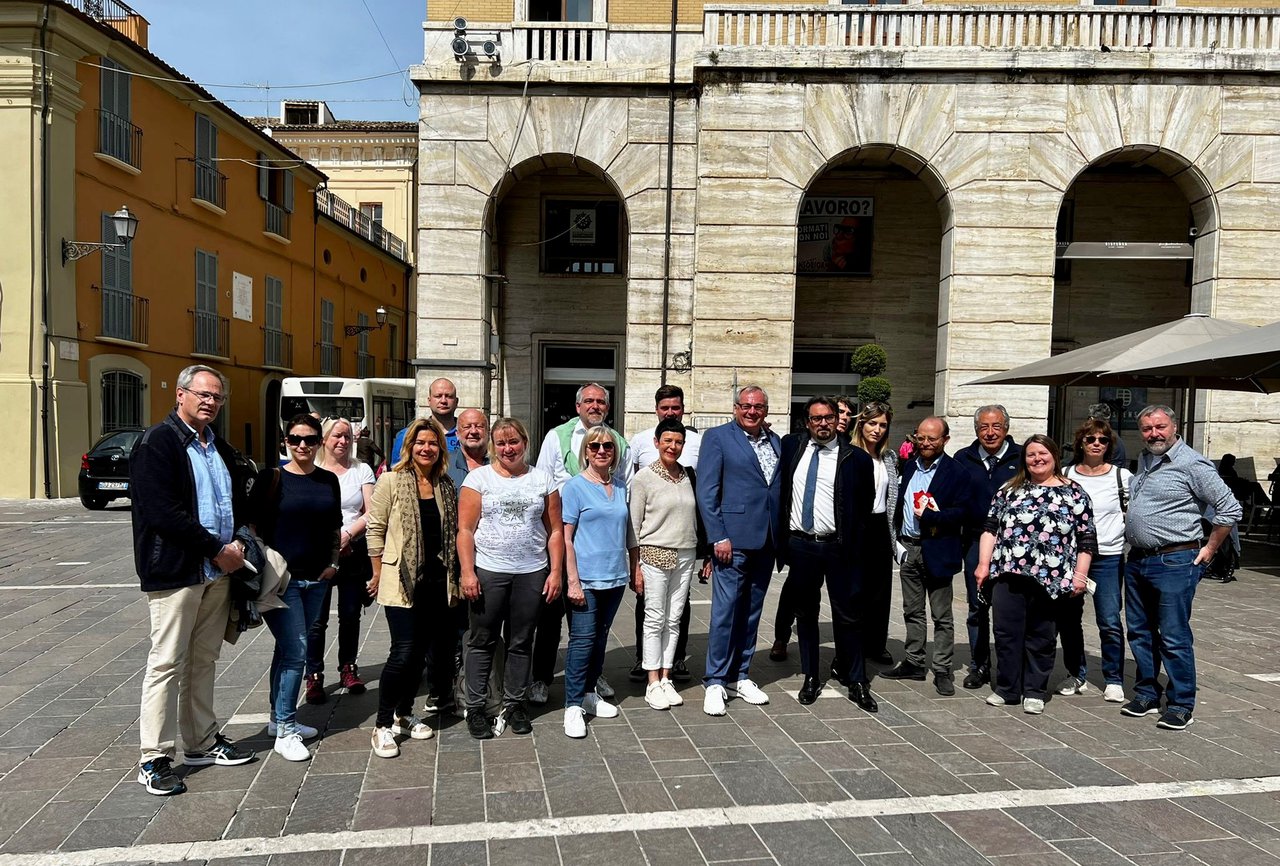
(187,627)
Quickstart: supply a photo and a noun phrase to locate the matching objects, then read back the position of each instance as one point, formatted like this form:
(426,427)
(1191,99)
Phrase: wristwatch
(334,566)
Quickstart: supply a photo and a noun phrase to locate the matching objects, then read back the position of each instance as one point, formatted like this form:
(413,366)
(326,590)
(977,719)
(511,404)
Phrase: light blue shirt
(602,531)
(213,493)
(920,481)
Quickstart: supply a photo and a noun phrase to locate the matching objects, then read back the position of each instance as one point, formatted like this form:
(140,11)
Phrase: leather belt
(907,539)
(1136,553)
(809,536)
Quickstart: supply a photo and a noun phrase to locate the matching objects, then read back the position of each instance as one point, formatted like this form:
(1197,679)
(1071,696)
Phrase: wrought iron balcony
(211,185)
(277,349)
(125,316)
(330,360)
(277,221)
(211,334)
(396,368)
(119,139)
(365,365)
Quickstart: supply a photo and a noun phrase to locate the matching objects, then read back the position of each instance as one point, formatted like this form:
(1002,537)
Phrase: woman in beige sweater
(668,528)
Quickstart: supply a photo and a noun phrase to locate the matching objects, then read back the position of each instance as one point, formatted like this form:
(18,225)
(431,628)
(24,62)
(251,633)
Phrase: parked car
(104,469)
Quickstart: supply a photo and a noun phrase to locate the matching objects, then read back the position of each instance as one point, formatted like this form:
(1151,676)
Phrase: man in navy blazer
(935,504)
(738,496)
(828,492)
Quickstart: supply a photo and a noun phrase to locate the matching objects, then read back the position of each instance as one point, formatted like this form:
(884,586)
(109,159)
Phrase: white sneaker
(499,723)
(1073,686)
(305,731)
(384,743)
(1113,693)
(575,724)
(656,696)
(673,696)
(290,748)
(749,692)
(603,689)
(598,706)
(1032,706)
(415,727)
(713,703)
(995,700)
(538,693)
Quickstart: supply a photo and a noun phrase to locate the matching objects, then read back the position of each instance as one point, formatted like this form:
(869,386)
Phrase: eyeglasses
(311,440)
(599,446)
(929,440)
(753,407)
(822,419)
(208,397)
(1100,440)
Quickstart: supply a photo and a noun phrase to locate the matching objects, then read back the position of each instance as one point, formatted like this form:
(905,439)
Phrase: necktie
(991,463)
(810,487)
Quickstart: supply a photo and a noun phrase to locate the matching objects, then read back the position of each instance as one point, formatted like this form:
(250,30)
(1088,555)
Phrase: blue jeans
(290,627)
(589,624)
(737,596)
(1158,592)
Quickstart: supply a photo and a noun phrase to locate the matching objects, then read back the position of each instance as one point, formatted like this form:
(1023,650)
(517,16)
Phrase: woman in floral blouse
(1037,544)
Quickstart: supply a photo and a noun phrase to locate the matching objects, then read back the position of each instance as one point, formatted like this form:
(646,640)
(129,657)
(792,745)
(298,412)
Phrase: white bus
(385,406)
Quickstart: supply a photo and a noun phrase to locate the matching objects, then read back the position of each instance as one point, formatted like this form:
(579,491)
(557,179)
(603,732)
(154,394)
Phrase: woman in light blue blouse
(600,559)
(1036,547)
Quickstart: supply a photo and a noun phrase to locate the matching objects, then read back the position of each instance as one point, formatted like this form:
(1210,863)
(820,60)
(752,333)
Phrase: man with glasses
(993,458)
(184,519)
(738,490)
(828,491)
(935,504)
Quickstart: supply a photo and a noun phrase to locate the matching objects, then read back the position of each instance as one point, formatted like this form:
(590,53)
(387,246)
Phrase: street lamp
(126,225)
(380,314)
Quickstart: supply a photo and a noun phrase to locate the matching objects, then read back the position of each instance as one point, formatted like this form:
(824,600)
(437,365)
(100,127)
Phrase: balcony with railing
(116,15)
(119,139)
(125,316)
(277,349)
(365,365)
(211,186)
(396,368)
(211,334)
(344,214)
(330,360)
(277,222)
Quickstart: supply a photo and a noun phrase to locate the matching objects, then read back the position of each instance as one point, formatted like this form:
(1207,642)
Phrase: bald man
(442,400)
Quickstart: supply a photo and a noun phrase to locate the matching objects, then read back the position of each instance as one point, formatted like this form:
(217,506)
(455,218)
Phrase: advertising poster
(835,235)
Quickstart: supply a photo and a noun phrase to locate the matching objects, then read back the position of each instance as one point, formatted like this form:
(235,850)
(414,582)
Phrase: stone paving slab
(775,784)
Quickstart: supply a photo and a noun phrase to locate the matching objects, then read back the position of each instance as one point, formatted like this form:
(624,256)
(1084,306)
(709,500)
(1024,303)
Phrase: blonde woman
(413,527)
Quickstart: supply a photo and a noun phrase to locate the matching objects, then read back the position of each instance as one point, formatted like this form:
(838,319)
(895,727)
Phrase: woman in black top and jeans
(296,510)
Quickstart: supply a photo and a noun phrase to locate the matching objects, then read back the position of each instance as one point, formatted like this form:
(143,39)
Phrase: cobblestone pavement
(929,780)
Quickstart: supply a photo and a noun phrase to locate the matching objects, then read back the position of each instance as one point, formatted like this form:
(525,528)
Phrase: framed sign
(835,235)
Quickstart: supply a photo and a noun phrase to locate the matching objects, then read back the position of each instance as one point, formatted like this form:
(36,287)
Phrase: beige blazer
(385,535)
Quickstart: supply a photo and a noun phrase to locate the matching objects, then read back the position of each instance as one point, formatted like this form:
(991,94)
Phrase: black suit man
(828,491)
(935,504)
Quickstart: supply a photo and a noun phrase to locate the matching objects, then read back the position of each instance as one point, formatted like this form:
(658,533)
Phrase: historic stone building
(753,197)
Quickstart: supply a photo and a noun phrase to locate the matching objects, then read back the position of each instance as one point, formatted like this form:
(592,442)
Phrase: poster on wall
(835,235)
(242,296)
(582,226)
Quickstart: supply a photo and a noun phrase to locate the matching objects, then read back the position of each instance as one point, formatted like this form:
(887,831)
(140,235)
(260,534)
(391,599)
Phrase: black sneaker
(944,684)
(478,725)
(158,777)
(1174,719)
(680,673)
(518,720)
(1139,707)
(223,753)
(638,674)
(977,678)
(904,670)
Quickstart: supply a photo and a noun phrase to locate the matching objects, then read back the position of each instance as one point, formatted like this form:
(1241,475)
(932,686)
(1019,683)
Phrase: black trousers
(426,627)
(1023,619)
(877,585)
(682,640)
(812,563)
(546,639)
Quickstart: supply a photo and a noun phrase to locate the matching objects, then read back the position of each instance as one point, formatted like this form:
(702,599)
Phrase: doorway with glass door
(563,368)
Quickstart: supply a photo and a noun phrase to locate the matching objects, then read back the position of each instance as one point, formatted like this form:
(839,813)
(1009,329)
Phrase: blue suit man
(738,490)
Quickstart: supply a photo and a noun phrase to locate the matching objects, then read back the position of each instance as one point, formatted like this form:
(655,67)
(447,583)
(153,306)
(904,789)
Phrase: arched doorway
(868,259)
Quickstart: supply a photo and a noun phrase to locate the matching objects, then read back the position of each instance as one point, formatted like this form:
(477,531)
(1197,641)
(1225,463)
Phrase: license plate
(113,485)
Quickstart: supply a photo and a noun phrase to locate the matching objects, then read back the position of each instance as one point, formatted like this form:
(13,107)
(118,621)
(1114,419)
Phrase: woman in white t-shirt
(337,454)
(1108,489)
(511,553)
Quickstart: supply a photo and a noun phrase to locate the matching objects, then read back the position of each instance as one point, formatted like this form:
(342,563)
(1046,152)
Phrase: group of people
(477,557)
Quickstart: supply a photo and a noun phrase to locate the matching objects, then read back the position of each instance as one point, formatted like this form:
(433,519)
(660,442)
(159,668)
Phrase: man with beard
(1171,491)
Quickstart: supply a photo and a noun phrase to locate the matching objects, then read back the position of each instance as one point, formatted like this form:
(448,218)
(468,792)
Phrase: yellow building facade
(243,259)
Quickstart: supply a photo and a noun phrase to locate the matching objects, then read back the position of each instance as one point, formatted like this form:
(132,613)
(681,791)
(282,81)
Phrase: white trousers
(666,590)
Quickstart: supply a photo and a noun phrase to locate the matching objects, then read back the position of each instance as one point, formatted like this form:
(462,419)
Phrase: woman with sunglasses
(871,434)
(511,553)
(337,454)
(297,510)
(1108,489)
(600,558)
(413,528)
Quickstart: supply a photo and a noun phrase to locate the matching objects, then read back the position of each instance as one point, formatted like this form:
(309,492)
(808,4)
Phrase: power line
(392,54)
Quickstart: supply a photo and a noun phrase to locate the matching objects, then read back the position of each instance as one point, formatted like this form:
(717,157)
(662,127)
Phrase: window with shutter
(117,285)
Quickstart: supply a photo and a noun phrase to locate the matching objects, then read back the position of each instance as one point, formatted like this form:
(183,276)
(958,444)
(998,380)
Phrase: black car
(104,470)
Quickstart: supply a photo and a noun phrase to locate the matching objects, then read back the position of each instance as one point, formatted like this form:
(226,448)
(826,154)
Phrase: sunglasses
(1100,440)
(311,440)
(598,446)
